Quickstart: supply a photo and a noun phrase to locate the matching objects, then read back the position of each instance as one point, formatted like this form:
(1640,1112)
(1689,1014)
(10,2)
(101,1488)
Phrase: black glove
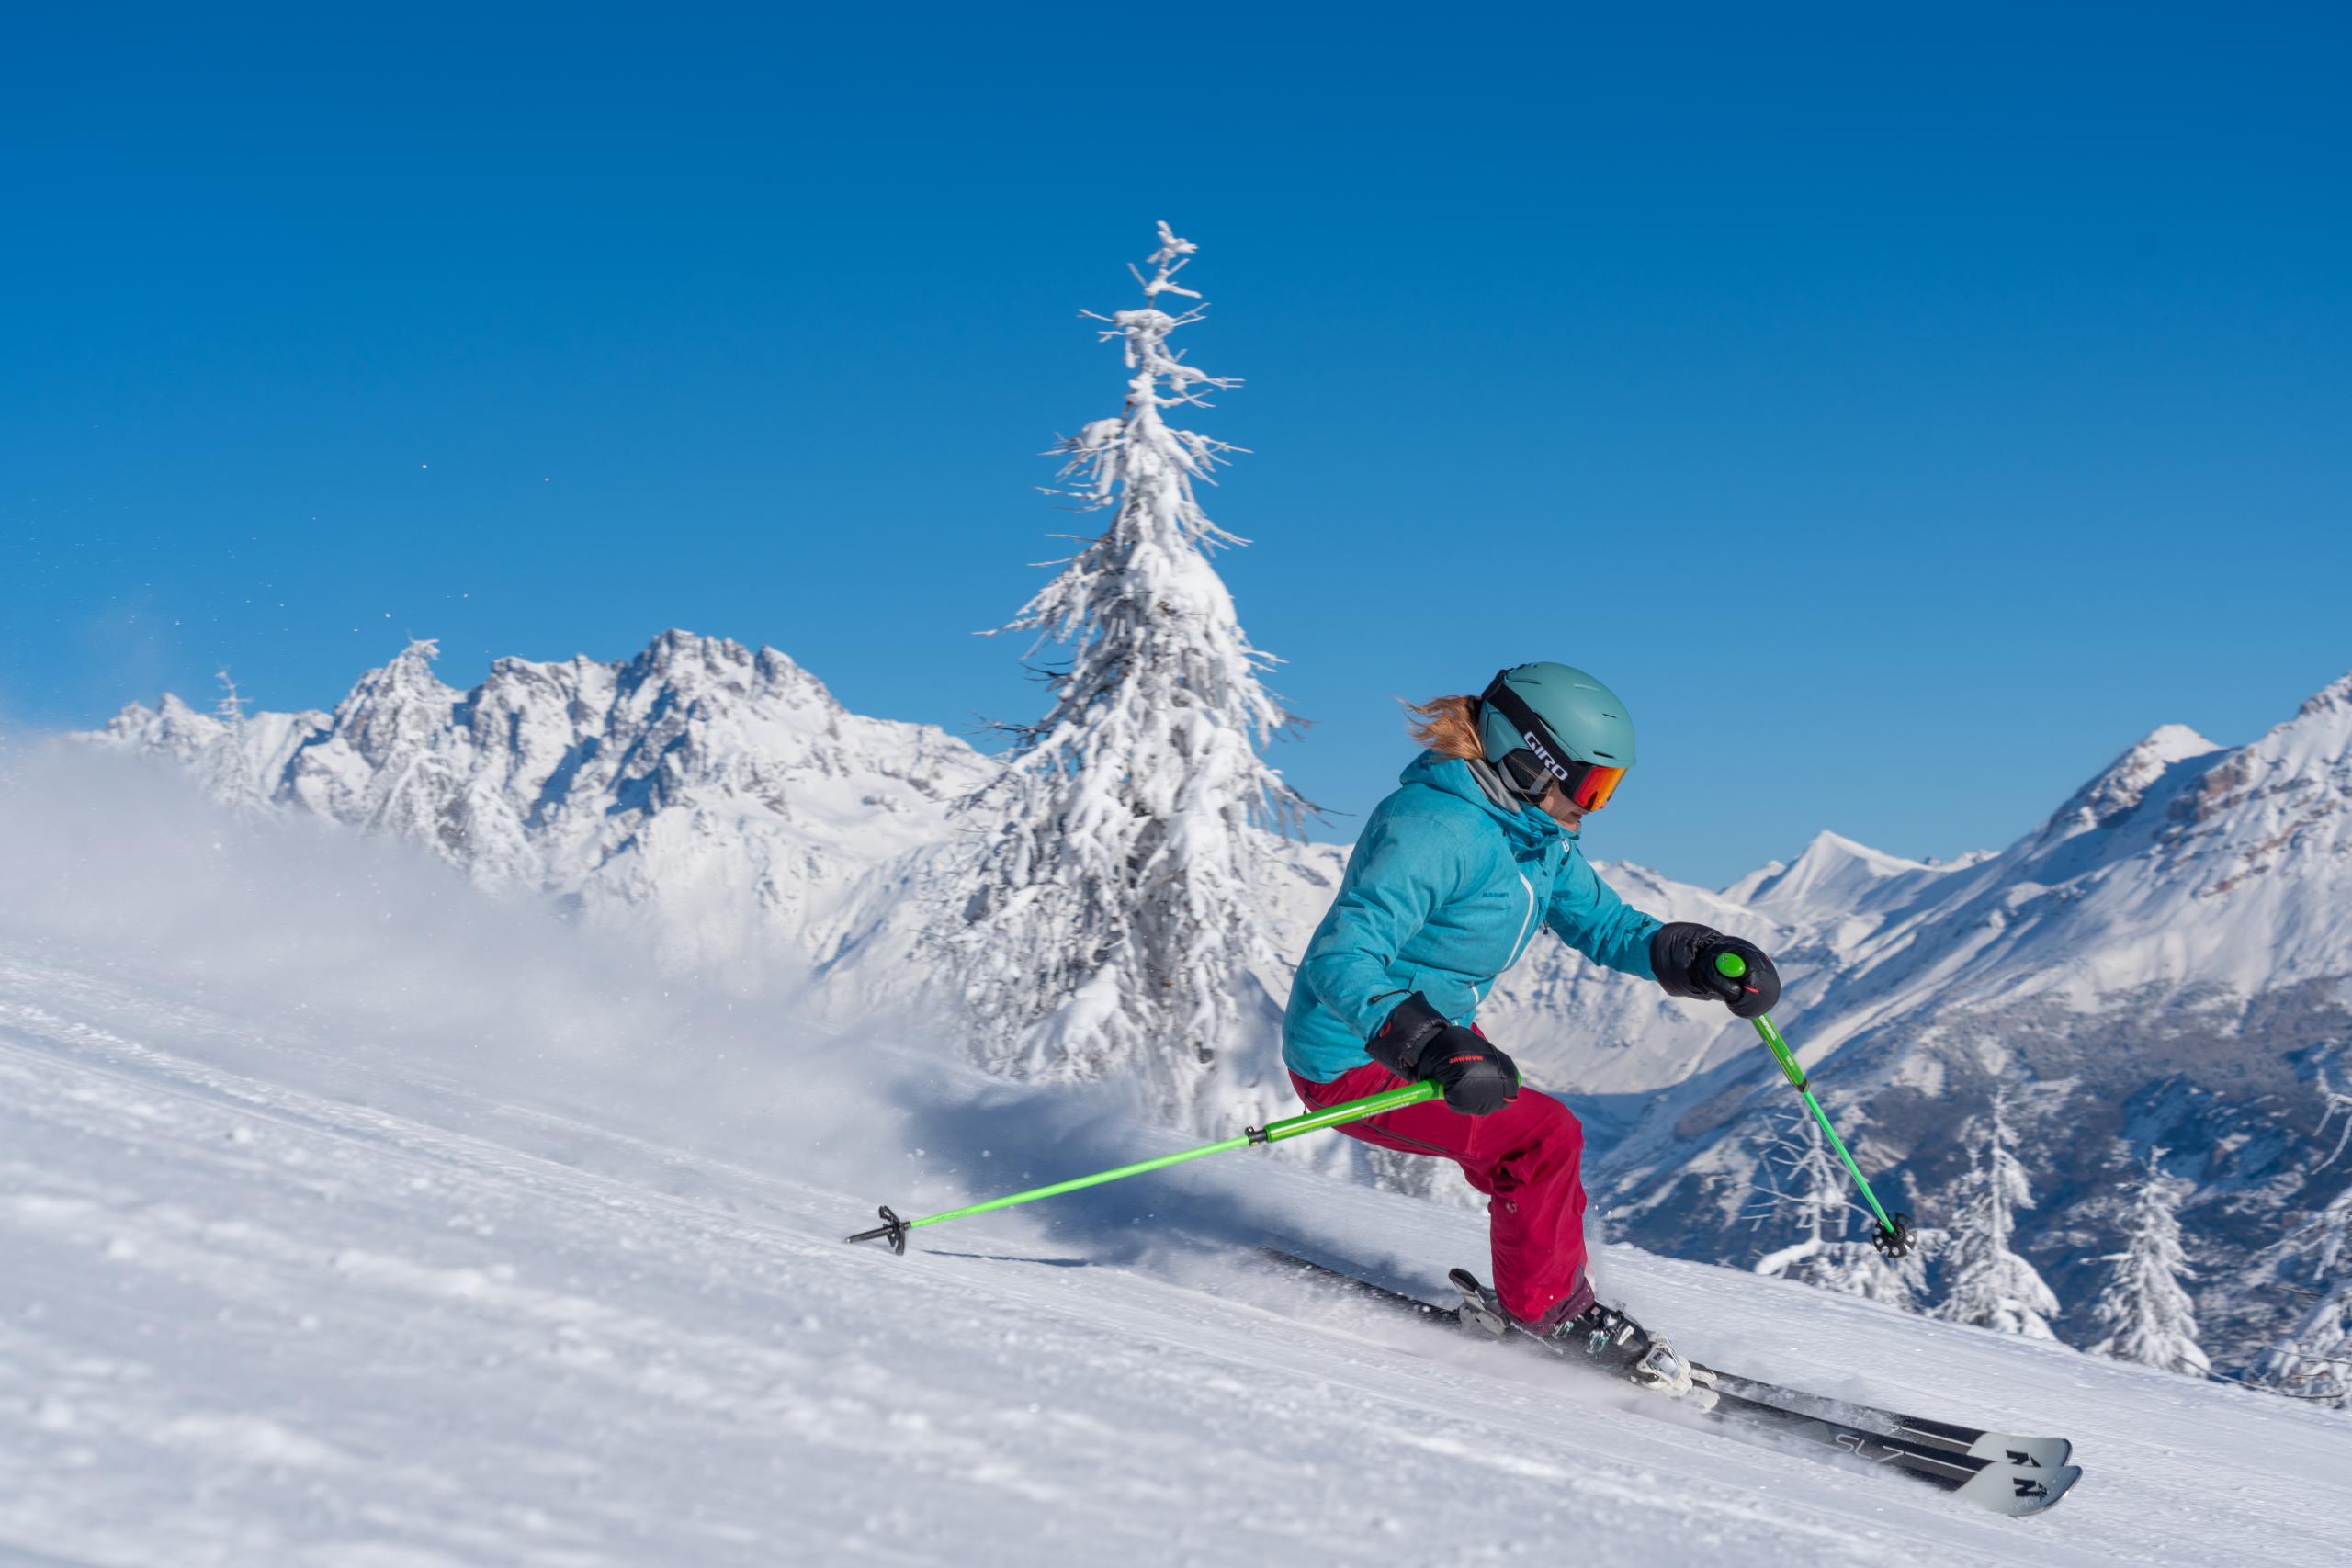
(1417,1042)
(1683,954)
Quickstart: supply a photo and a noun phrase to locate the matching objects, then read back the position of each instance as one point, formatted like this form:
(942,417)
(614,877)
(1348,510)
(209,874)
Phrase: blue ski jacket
(1446,888)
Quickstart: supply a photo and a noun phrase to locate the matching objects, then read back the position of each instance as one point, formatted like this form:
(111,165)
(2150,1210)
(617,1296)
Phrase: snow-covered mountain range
(2164,964)
(716,801)
(2166,961)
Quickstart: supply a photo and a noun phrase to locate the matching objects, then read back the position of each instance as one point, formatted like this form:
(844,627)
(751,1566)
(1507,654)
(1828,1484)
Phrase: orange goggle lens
(1593,790)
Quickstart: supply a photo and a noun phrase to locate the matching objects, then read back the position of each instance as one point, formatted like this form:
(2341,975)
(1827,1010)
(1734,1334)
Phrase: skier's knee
(1558,1120)
(1560,1127)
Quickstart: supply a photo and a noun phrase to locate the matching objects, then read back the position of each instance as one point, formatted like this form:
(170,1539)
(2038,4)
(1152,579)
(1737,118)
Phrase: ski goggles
(1534,767)
(1596,784)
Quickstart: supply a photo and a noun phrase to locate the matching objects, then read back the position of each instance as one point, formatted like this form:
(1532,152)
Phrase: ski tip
(2020,1491)
(2026,1453)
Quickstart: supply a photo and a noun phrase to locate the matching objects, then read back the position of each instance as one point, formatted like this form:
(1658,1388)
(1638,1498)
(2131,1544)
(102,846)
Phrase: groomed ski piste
(347,1218)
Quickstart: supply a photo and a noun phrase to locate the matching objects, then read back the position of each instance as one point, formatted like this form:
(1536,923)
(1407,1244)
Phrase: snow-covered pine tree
(225,768)
(1805,1191)
(1987,1283)
(1813,1190)
(1112,928)
(2147,1316)
(2315,1360)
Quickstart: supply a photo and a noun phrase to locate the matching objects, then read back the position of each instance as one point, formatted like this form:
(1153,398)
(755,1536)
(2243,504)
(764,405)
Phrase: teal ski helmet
(1545,722)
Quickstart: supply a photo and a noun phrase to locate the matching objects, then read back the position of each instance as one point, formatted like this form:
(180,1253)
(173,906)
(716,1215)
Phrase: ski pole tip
(892,1229)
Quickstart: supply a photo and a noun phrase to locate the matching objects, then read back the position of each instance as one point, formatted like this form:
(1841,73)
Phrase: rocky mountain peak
(401,705)
(2113,795)
(2336,697)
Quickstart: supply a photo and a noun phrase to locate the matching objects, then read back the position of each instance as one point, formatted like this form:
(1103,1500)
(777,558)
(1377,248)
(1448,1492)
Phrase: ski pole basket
(892,1229)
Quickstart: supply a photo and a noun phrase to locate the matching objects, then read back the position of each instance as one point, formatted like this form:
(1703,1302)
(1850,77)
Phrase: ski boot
(1602,1337)
(1609,1338)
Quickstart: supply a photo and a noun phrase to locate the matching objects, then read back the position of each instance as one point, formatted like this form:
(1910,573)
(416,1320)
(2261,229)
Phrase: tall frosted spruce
(1112,929)
(1987,1283)
(2147,1316)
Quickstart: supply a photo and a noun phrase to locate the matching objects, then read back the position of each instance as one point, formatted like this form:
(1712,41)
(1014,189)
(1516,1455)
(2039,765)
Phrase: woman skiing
(1452,878)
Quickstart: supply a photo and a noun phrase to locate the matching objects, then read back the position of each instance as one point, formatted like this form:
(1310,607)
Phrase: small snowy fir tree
(225,768)
(2147,1316)
(2314,1360)
(1987,1283)
(1112,928)
(1812,1189)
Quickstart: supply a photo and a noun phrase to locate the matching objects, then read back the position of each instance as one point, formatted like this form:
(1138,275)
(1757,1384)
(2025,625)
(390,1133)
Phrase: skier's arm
(1386,894)
(1587,914)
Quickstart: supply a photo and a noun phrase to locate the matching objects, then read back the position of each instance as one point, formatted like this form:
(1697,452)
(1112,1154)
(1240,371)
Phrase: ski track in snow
(247,1322)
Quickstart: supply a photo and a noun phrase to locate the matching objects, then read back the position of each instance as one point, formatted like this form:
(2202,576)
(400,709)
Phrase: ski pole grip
(1731,966)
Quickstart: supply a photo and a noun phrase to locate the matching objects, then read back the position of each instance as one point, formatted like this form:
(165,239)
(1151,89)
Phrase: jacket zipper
(1526,919)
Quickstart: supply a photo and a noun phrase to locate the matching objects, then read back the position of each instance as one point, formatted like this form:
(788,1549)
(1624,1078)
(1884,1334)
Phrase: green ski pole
(1897,1234)
(894,1230)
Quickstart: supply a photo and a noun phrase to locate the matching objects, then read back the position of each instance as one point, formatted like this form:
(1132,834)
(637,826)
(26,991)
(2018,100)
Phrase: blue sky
(1905,410)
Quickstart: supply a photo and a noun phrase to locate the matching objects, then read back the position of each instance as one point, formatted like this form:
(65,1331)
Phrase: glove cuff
(1675,948)
(1396,1043)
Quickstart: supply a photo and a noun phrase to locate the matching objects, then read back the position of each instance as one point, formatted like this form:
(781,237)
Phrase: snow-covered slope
(340,1224)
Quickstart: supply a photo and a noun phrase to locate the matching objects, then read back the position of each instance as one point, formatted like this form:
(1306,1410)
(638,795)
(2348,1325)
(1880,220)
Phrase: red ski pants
(1525,1157)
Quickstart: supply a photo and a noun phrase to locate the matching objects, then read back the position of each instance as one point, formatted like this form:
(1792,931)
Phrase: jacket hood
(1530,829)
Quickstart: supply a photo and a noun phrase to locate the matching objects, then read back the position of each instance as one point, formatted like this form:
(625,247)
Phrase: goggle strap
(1522,718)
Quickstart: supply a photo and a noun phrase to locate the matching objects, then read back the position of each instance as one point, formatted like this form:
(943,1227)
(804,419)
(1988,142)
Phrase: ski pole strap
(894,1230)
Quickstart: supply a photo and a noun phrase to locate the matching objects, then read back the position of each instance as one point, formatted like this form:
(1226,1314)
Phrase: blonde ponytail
(1448,726)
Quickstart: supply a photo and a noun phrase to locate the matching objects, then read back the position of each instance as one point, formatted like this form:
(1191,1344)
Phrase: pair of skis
(2000,1472)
